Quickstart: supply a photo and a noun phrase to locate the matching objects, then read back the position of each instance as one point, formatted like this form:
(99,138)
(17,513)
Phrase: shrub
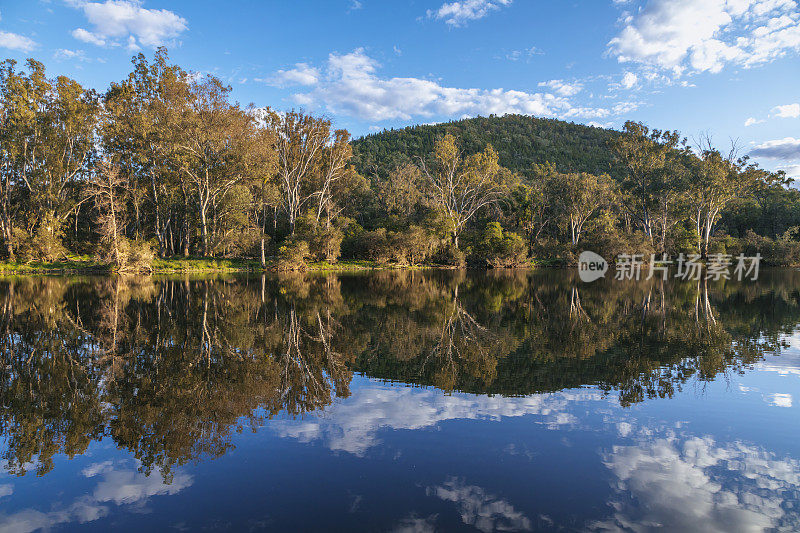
(449,255)
(497,249)
(292,255)
(137,256)
(45,244)
(413,245)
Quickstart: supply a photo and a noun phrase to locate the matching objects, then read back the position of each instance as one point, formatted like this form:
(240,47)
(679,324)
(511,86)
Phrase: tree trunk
(204,229)
(263,256)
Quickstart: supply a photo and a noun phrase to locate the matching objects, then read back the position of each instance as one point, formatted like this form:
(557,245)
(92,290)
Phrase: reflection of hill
(171,368)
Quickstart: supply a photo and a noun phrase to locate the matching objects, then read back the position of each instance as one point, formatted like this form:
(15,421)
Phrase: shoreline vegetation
(204,265)
(87,265)
(164,173)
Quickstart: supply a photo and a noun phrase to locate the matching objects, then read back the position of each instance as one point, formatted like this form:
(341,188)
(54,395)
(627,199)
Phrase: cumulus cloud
(460,13)
(87,37)
(118,22)
(301,74)
(786,111)
(14,41)
(752,120)
(562,88)
(350,84)
(787,148)
(683,36)
(629,80)
(479,509)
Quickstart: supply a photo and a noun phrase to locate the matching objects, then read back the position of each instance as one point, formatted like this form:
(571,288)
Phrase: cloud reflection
(118,486)
(695,484)
(352,424)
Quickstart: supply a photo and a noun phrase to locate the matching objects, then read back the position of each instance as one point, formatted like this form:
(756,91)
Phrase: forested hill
(520,140)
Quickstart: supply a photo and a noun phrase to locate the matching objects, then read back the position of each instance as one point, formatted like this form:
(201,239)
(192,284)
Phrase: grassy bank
(86,265)
(76,265)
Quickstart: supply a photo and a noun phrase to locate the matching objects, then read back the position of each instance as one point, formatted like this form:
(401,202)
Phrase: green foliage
(449,255)
(500,249)
(292,255)
(46,243)
(522,142)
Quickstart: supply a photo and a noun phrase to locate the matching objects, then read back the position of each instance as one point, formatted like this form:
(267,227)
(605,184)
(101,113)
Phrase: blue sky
(727,67)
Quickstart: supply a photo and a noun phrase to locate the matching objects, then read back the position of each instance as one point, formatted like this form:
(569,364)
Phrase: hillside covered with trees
(165,164)
(522,143)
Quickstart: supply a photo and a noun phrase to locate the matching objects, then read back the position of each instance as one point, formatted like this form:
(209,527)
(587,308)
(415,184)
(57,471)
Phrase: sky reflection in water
(400,402)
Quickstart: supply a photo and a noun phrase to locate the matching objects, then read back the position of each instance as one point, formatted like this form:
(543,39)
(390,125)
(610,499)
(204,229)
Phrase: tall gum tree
(461,186)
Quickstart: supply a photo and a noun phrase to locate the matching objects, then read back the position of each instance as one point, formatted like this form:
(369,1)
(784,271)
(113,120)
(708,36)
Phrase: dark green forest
(523,143)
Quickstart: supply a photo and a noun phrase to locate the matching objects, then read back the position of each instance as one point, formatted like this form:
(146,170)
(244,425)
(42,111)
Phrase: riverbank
(86,265)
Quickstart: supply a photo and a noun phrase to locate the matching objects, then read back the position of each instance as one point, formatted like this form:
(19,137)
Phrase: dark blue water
(400,402)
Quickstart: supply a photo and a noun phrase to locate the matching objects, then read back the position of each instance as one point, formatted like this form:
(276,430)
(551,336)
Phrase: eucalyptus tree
(461,186)
(717,180)
(219,147)
(141,118)
(332,171)
(645,157)
(48,135)
(576,197)
(300,143)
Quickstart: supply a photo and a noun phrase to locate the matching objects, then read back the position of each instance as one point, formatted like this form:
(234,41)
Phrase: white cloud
(63,53)
(14,41)
(460,13)
(629,80)
(95,469)
(87,37)
(6,490)
(527,53)
(752,120)
(562,87)
(117,21)
(350,85)
(786,111)
(128,486)
(787,148)
(301,74)
(683,36)
(792,171)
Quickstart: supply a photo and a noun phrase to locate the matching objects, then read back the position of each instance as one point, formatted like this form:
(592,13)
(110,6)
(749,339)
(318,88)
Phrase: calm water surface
(410,401)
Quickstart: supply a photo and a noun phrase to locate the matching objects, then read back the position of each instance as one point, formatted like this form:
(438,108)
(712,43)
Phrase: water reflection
(171,370)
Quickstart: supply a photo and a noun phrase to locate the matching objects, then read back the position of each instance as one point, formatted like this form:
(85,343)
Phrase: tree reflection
(171,369)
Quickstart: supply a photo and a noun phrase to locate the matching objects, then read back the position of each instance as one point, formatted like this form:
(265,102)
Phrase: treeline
(164,162)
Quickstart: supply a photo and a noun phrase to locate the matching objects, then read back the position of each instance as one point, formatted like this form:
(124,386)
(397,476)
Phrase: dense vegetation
(522,143)
(164,164)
